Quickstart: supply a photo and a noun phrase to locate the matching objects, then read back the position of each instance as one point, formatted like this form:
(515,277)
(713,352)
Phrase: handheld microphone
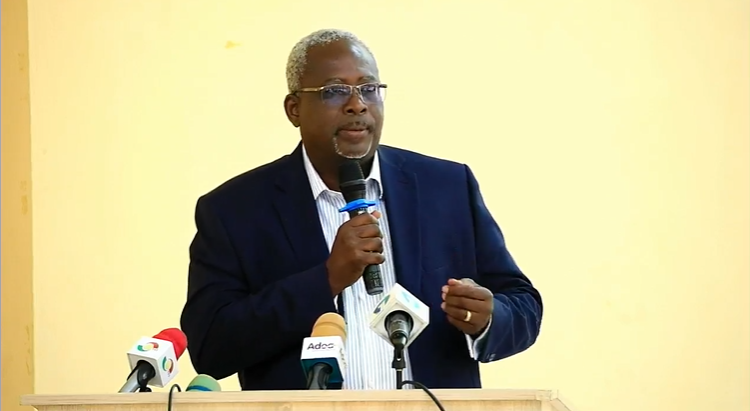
(203,382)
(153,360)
(322,357)
(354,188)
(400,317)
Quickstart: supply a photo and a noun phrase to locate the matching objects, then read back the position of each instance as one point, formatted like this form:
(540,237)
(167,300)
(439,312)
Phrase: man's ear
(291,107)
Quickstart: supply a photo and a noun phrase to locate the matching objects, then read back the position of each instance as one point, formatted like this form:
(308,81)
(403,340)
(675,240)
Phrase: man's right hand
(358,243)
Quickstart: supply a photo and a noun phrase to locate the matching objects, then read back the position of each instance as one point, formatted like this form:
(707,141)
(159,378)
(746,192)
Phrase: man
(272,252)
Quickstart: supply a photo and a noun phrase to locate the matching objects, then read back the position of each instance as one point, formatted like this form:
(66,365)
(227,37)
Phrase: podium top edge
(42,400)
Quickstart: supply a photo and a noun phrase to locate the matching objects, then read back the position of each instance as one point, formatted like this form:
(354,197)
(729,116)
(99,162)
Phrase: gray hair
(295,65)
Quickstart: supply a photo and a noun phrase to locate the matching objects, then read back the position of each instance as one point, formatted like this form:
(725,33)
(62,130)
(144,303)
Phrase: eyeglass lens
(338,94)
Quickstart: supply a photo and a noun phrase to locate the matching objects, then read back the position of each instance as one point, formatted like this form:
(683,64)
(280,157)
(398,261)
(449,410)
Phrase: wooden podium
(336,400)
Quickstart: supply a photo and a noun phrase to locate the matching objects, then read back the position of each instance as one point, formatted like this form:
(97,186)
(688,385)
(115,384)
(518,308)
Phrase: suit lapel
(402,199)
(298,212)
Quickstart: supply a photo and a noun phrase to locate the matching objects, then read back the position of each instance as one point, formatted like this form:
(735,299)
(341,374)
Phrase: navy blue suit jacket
(257,277)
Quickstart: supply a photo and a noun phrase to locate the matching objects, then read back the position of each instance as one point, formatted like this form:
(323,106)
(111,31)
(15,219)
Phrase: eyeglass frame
(358,87)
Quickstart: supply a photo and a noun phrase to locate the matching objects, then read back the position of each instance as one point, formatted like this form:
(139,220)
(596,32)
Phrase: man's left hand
(468,305)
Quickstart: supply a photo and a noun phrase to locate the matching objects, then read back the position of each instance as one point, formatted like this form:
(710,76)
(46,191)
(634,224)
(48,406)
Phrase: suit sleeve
(229,328)
(517,314)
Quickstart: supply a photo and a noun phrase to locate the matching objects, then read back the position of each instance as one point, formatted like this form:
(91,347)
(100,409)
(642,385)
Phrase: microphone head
(326,346)
(161,352)
(203,382)
(329,325)
(176,337)
(399,299)
(352,180)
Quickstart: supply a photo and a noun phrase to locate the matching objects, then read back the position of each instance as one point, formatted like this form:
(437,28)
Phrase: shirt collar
(318,186)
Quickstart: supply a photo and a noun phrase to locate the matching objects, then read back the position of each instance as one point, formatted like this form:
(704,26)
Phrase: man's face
(338,121)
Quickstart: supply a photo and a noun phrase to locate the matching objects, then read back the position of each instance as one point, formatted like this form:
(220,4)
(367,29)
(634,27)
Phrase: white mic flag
(327,350)
(400,299)
(160,354)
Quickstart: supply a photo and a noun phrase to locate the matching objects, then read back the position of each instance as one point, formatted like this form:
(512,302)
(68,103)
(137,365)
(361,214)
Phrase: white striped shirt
(368,356)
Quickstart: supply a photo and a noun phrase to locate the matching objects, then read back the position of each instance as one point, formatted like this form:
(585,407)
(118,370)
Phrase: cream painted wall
(610,138)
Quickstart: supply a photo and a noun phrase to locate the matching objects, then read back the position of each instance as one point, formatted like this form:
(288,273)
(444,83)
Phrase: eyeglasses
(339,94)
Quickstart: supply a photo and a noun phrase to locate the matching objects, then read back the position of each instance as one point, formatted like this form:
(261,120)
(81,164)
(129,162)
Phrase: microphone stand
(139,378)
(398,364)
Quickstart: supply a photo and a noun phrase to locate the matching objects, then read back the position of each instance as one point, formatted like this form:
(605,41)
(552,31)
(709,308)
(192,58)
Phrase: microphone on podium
(323,359)
(399,318)
(153,360)
(203,382)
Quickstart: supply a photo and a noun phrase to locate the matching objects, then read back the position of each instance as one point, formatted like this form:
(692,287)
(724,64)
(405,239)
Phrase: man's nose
(355,105)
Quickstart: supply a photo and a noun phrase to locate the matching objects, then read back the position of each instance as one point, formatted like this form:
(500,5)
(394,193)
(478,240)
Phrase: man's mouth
(353,133)
(354,128)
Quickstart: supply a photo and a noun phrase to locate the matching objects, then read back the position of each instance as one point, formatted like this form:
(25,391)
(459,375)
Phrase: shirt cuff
(476,344)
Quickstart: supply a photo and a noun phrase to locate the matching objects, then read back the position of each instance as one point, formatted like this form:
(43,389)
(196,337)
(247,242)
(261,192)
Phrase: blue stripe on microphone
(197,388)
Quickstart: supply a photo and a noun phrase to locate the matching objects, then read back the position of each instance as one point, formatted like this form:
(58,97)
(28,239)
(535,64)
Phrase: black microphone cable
(171,393)
(416,384)
(399,363)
